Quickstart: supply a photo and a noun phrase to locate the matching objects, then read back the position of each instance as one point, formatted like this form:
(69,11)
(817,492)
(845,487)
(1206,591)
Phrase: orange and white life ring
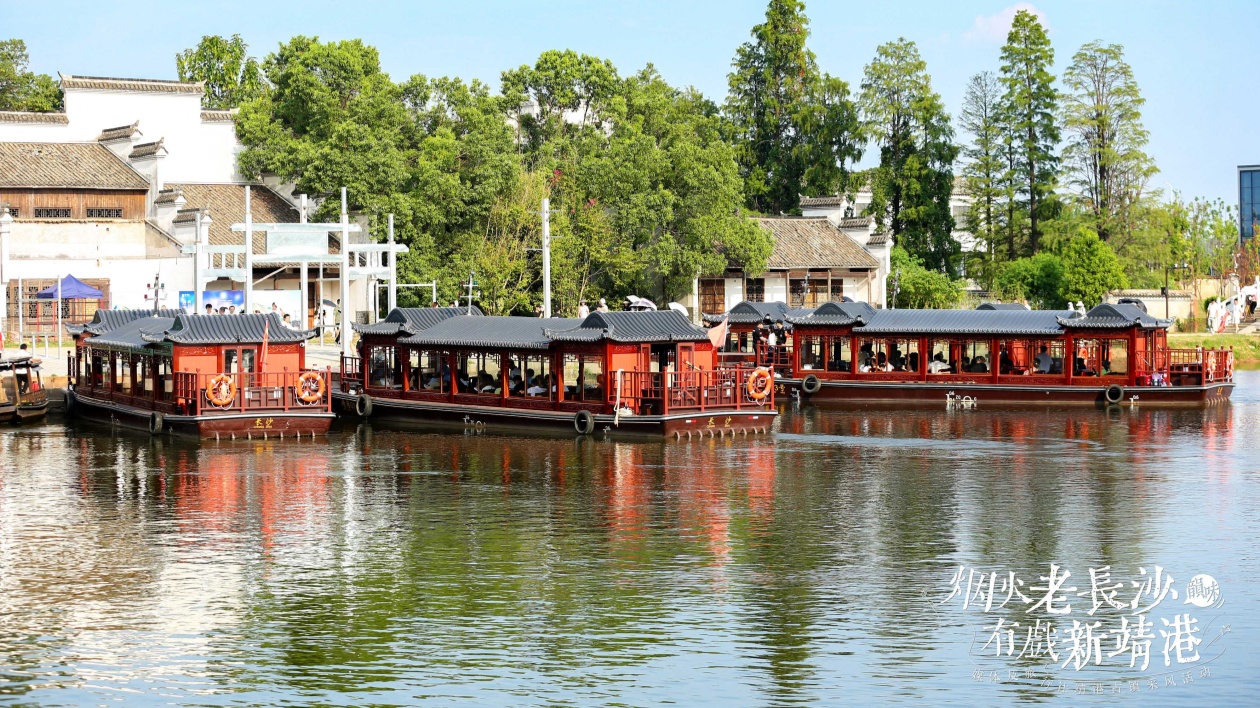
(221,391)
(760,383)
(311,387)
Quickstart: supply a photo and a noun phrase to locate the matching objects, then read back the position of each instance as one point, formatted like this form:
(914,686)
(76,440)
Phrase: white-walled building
(847,213)
(110,191)
(813,262)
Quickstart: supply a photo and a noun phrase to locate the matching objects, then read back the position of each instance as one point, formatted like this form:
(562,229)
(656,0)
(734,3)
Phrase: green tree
(559,86)
(795,130)
(910,189)
(1105,154)
(1090,269)
(21,89)
(230,75)
(984,169)
(1030,102)
(917,287)
(1038,279)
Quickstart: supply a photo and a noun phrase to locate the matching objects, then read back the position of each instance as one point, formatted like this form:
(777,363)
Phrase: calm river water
(813,566)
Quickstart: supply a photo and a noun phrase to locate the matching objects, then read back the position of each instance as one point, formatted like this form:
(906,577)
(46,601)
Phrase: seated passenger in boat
(979,365)
(539,387)
(1005,364)
(912,362)
(881,362)
(1082,369)
(938,364)
(1043,362)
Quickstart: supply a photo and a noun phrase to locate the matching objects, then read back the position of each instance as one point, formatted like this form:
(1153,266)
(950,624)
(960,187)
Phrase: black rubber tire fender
(363,405)
(584,423)
(1114,394)
(157,423)
(810,384)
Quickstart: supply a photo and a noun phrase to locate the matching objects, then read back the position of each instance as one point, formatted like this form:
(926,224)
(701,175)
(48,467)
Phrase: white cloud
(994,28)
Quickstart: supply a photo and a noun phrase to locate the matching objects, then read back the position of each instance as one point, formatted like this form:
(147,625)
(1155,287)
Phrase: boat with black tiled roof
(22,394)
(649,373)
(1115,354)
(204,375)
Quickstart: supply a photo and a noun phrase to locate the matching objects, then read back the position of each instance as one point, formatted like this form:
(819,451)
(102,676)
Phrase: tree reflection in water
(386,566)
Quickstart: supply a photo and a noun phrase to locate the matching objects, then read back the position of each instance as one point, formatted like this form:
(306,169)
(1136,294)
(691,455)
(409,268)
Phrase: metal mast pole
(249,254)
(345,276)
(546,256)
(392,300)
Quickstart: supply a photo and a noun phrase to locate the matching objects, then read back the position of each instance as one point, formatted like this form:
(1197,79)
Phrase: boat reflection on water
(794,568)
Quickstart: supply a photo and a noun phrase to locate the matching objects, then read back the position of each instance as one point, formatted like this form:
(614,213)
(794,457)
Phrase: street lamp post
(1167,270)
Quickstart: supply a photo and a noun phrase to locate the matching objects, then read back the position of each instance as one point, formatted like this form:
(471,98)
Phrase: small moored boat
(202,375)
(616,373)
(22,394)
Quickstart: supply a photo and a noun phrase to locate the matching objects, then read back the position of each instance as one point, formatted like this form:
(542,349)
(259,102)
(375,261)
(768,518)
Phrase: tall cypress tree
(910,189)
(984,168)
(1030,102)
(793,128)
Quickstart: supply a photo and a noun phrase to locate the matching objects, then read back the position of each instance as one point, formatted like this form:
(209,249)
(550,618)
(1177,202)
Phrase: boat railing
(701,390)
(248,392)
(1201,365)
(351,370)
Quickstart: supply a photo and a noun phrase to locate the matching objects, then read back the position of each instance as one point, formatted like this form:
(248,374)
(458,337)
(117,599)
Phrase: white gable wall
(197,150)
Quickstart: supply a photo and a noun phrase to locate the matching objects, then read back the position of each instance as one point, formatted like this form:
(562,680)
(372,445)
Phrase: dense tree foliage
(911,285)
(1029,104)
(910,189)
(984,167)
(21,89)
(230,75)
(795,129)
(1090,269)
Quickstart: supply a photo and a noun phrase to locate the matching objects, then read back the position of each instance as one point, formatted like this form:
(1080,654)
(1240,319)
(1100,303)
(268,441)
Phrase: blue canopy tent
(71,289)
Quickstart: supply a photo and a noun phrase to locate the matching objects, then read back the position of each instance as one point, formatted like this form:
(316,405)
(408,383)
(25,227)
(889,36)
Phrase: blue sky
(1190,58)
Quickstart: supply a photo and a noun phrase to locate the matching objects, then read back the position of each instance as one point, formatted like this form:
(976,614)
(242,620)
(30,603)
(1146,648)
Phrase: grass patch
(1246,346)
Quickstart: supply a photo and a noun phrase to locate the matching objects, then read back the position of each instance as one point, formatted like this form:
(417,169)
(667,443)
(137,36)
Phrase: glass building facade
(1248,201)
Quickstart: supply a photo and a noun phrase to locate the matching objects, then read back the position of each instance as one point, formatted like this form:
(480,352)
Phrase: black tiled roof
(1003,306)
(651,326)
(751,312)
(227,329)
(480,332)
(9,363)
(413,320)
(105,320)
(834,314)
(133,335)
(1012,322)
(1108,316)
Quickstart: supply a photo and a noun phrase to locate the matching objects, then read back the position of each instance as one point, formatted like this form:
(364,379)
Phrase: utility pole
(249,254)
(392,300)
(346,334)
(472,282)
(896,287)
(546,256)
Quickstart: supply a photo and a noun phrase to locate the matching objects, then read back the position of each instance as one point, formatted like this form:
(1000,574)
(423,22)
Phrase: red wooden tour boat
(612,373)
(1112,355)
(205,375)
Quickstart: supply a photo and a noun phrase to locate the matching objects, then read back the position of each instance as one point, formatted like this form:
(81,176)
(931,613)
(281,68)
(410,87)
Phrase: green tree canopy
(910,285)
(1030,103)
(230,75)
(21,89)
(911,188)
(984,168)
(1037,279)
(1090,269)
(795,129)
(1105,154)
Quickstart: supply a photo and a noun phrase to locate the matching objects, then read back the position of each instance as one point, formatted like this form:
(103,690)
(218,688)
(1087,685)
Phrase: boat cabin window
(584,378)
(126,370)
(100,370)
(1040,357)
(900,355)
(1101,357)
(839,355)
(479,373)
(430,371)
(237,361)
(960,356)
(811,349)
(383,369)
(145,373)
(742,342)
(529,376)
(165,382)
